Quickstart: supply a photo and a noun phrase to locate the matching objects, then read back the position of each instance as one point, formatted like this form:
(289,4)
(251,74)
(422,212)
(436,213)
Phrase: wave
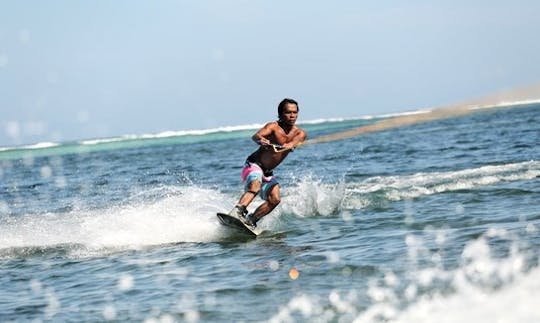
(330,199)
(168,134)
(194,132)
(159,216)
(39,145)
(173,219)
(171,216)
(395,188)
(106,140)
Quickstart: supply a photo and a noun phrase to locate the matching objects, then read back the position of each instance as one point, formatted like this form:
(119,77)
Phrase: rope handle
(277,148)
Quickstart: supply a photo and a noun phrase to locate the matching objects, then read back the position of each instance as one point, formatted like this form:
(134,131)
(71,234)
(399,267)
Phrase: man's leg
(252,189)
(273,199)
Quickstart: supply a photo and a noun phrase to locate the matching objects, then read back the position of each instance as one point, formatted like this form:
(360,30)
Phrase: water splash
(188,215)
(310,196)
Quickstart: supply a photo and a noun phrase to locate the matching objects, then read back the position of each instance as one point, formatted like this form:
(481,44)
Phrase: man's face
(290,114)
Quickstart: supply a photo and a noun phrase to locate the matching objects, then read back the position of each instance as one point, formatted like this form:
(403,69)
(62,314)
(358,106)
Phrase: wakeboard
(235,223)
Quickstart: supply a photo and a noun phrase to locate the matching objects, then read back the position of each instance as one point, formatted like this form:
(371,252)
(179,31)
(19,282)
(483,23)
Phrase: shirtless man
(276,139)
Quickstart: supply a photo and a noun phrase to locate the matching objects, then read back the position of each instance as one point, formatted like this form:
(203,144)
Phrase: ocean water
(434,222)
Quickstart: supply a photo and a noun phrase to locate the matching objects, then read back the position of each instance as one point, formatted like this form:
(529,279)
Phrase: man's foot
(250,220)
(239,211)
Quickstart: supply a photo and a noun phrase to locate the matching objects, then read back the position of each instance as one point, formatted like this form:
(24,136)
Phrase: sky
(73,70)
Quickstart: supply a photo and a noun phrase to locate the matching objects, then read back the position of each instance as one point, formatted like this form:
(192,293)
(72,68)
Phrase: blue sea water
(434,222)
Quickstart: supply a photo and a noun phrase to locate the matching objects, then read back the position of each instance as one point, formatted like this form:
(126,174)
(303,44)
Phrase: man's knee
(274,197)
(274,200)
(254,187)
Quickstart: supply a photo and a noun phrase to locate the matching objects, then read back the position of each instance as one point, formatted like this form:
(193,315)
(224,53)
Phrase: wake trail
(396,188)
(188,216)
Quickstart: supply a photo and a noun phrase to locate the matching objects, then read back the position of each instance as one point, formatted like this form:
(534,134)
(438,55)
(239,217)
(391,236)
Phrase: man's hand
(264,142)
(289,146)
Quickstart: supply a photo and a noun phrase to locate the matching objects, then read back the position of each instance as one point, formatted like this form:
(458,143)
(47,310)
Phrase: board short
(252,172)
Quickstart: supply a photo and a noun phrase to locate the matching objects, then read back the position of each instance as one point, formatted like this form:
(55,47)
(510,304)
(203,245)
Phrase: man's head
(288,111)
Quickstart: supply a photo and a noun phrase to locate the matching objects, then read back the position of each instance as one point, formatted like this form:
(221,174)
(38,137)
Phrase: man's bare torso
(267,156)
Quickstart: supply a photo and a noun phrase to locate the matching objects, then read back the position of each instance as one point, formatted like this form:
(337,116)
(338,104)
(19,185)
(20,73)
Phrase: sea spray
(310,196)
(186,216)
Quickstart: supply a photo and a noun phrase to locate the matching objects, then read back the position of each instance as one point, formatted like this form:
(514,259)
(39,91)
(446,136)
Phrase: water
(437,222)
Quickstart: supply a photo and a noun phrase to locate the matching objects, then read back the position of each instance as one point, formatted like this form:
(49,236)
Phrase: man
(276,139)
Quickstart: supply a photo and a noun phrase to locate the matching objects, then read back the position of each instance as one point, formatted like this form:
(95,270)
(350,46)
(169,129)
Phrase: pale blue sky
(85,69)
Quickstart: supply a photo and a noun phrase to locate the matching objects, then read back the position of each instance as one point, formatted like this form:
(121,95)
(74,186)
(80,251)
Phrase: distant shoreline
(229,129)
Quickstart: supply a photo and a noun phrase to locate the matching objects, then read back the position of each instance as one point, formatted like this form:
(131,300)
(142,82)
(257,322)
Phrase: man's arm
(260,136)
(297,140)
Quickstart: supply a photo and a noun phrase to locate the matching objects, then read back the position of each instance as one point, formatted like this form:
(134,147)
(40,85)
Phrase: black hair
(282,104)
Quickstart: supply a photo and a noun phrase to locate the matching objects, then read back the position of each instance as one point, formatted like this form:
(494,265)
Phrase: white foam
(427,183)
(324,199)
(39,145)
(487,289)
(516,302)
(483,289)
(107,140)
(187,216)
(317,199)
(172,133)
